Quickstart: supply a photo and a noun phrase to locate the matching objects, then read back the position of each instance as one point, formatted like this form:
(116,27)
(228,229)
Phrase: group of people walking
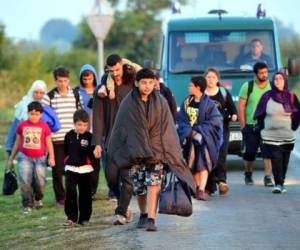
(129,120)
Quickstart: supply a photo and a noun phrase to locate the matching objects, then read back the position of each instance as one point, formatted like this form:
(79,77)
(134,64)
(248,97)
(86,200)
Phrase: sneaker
(27,210)
(68,224)
(142,221)
(248,178)
(38,204)
(277,189)
(201,195)
(283,189)
(268,181)
(150,226)
(60,203)
(119,220)
(223,188)
(129,216)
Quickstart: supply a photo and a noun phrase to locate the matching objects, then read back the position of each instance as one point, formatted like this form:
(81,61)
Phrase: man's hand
(234,118)
(98,152)
(102,92)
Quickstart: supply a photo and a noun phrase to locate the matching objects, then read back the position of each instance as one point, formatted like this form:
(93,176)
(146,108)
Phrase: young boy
(78,167)
(33,138)
(144,139)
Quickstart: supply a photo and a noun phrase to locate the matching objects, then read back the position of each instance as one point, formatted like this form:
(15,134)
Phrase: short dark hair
(61,71)
(144,73)
(255,40)
(199,81)
(37,106)
(259,65)
(80,115)
(113,59)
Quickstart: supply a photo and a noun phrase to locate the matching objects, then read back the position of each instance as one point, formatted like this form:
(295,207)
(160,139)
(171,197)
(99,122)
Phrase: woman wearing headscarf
(278,115)
(35,93)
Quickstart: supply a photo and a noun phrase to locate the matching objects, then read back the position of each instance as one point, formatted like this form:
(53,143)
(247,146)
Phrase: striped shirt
(64,106)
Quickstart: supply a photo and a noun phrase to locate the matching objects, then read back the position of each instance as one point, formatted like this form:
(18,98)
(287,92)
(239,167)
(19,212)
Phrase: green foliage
(290,47)
(135,33)
(85,38)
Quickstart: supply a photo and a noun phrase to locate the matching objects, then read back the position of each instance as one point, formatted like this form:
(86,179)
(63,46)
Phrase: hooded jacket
(149,137)
(85,96)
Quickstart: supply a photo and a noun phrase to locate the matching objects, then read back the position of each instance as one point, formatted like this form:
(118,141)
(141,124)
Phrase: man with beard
(249,97)
(105,108)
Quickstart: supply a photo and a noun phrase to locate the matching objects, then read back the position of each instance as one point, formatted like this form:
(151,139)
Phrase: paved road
(249,217)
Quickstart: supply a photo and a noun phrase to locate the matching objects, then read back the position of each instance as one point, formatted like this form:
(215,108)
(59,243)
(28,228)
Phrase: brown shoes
(223,188)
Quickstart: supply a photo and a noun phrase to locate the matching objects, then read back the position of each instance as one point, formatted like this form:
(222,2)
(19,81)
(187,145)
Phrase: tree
(135,33)
(58,33)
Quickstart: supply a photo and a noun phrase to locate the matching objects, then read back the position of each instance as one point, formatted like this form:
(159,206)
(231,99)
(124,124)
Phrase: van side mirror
(293,66)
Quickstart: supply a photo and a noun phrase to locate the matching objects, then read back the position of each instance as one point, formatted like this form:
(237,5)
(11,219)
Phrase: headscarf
(284,97)
(21,112)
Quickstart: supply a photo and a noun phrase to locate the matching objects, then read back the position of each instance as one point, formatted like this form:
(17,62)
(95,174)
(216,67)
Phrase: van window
(225,50)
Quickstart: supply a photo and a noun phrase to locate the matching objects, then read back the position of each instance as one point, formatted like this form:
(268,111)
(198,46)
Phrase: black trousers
(280,156)
(83,204)
(95,176)
(118,180)
(58,171)
(220,170)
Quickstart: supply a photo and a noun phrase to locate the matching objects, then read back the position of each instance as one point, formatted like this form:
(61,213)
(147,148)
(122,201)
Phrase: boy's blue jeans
(32,177)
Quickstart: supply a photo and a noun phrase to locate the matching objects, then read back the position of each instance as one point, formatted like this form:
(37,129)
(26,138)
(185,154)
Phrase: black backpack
(51,94)
(250,89)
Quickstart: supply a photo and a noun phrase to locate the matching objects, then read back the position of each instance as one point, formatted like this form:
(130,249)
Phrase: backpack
(250,89)
(51,94)
(224,93)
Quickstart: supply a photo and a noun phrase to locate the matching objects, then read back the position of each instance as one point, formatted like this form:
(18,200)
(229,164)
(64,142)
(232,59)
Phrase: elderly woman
(278,115)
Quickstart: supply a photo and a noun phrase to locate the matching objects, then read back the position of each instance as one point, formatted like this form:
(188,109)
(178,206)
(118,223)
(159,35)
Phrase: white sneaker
(27,210)
(119,220)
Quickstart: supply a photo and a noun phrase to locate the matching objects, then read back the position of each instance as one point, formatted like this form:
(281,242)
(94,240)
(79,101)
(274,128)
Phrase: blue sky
(24,18)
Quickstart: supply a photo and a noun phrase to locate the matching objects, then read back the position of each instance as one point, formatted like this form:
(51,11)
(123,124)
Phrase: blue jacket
(85,96)
(209,124)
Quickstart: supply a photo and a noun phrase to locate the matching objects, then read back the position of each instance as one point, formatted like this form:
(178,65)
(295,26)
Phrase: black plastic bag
(10,183)
(176,198)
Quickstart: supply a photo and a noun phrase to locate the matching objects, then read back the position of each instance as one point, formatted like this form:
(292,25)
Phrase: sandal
(68,223)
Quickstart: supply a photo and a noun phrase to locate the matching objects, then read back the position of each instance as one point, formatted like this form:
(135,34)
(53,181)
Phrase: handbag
(176,198)
(10,183)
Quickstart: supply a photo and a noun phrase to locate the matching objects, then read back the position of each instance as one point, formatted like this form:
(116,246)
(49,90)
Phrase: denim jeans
(32,177)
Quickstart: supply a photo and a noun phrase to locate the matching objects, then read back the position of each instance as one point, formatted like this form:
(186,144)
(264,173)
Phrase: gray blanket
(151,138)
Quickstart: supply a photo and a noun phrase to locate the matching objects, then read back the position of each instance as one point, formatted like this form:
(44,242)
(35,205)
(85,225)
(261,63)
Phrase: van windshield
(235,51)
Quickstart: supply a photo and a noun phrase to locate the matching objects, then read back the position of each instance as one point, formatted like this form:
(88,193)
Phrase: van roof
(213,22)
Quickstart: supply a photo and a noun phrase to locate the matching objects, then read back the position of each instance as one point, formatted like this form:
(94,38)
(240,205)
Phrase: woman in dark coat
(200,128)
